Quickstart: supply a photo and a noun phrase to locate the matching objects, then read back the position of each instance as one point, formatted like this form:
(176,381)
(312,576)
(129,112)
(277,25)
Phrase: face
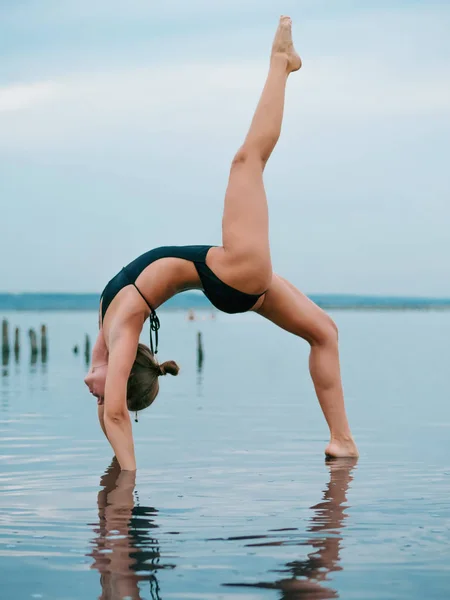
(95,380)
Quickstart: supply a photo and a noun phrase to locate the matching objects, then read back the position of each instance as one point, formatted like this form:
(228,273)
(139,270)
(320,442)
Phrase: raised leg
(244,260)
(288,308)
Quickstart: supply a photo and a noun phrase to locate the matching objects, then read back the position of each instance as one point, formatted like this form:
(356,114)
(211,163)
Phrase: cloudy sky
(118,121)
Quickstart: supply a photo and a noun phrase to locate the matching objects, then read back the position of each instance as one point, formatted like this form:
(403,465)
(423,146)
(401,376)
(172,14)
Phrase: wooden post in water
(87,349)
(200,354)
(16,344)
(5,343)
(5,336)
(33,345)
(44,345)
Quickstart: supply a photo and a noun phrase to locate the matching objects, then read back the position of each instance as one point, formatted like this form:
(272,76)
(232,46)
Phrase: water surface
(233,498)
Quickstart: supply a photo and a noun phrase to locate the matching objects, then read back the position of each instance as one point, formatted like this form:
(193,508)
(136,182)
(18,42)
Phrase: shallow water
(233,498)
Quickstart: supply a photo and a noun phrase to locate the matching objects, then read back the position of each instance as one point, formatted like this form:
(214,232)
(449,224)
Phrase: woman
(236,277)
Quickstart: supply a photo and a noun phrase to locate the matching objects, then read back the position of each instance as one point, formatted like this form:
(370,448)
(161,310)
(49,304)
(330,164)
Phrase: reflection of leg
(306,577)
(288,308)
(245,225)
(328,520)
(329,517)
(330,513)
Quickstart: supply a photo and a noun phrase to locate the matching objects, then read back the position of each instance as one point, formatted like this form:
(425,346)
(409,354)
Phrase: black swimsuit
(222,296)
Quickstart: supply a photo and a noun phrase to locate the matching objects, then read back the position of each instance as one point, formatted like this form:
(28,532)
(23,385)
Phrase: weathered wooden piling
(17,344)
(87,349)
(5,337)
(44,344)
(5,343)
(16,340)
(33,343)
(200,353)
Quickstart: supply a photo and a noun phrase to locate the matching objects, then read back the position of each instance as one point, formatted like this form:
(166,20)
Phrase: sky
(118,122)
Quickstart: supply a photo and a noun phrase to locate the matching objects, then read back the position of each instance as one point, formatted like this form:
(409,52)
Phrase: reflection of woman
(236,277)
(124,551)
(326,523)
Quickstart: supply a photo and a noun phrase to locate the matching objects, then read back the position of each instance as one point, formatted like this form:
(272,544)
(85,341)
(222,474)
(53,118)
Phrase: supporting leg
(288,308)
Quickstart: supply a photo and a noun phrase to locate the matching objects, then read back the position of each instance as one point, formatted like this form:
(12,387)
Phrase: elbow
(116,417)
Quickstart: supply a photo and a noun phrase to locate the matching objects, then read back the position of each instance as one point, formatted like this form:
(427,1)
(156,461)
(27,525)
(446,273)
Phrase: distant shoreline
(196,301)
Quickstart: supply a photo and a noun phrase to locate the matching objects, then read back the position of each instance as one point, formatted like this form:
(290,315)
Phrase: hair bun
(170,367)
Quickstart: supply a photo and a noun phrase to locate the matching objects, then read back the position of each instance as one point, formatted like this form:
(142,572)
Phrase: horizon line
(199,293)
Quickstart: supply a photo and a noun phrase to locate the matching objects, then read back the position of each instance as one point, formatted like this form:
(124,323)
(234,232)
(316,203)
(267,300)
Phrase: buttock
(223,296)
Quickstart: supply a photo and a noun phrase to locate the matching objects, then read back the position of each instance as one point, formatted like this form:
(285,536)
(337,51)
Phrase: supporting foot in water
(342,448)
(283,46)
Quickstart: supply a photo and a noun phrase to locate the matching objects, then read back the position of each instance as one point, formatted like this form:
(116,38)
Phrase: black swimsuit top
(221,295)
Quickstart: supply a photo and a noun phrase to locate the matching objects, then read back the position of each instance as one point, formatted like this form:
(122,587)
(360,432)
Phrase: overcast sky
(118,121)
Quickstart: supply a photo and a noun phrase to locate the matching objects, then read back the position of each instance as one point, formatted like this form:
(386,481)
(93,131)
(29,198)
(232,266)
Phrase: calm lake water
(233,498)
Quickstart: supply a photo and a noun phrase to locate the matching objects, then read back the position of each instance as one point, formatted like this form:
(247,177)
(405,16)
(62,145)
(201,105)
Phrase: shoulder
(125,329)
(126,320)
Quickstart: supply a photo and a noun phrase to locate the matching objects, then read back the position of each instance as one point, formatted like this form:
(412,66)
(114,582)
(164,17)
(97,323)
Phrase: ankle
(280,60)
(341,437)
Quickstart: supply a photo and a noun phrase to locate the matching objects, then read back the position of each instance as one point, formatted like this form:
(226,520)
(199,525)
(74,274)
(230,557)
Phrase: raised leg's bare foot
(342,448)
(283,45)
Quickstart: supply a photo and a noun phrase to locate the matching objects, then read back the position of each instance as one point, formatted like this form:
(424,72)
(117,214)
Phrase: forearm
(101,418)
(120,436)
(123,345)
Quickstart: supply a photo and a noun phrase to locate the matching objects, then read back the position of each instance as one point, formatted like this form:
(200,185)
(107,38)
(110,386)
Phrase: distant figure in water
(191,315)
(236,277)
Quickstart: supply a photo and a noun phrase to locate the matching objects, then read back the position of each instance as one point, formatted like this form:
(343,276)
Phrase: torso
(162,273)
(158,282)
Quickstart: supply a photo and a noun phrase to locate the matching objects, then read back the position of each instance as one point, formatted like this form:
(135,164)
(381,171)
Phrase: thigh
(244,260)
(291,310)
(245,223)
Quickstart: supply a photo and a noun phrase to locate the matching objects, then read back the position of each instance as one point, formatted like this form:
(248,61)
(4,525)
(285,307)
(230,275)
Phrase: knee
(245,155)
(240,157)
(325,332)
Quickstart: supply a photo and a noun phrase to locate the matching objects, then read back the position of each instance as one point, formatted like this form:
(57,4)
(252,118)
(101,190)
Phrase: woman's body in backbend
(243,263)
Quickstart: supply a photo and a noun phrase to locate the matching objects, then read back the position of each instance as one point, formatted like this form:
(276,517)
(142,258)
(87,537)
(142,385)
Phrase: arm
(99,351)
(101,416)
(122,353)
(100,356)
